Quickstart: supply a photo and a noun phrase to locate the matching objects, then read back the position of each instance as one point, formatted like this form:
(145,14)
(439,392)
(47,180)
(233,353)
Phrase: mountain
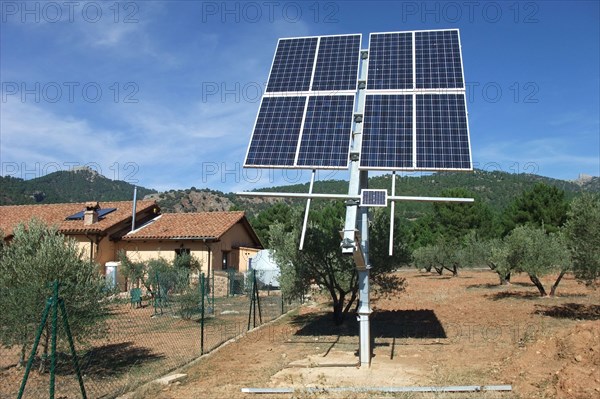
(497,189)
(207,200)
(77,185)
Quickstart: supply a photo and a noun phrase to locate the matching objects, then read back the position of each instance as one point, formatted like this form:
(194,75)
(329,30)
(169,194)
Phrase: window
(225,260)
(182,251)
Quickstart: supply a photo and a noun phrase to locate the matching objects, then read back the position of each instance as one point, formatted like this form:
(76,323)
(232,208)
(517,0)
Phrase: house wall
(239,244)
(235,243)
(104,250)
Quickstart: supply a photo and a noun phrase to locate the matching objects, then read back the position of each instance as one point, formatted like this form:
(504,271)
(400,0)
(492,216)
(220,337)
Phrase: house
(220,240)
(97,227)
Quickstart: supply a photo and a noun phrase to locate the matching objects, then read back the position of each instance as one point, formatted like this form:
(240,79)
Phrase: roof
(190,226)
(56,214)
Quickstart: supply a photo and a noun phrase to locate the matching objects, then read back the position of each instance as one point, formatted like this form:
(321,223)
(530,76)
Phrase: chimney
(90,216)
(133,210)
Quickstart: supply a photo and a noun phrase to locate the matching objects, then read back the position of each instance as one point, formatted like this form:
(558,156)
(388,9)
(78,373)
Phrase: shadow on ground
(107,360)
(533,294)
(573,311)
(384,324)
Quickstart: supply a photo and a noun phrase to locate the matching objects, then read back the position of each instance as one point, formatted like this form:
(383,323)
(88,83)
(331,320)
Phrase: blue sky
(165,94)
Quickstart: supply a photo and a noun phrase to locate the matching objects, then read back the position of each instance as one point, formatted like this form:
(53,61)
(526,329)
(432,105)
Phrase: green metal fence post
(72,347)
(202,294)
(36,342)
(257,301)
(53,303)
(212,293)
(53,338)
(251,303)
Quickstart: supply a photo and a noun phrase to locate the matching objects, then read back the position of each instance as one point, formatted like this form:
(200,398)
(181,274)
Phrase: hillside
(495,188)
(66,186)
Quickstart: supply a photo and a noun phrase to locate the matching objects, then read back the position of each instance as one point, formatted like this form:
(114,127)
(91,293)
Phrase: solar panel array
(414,114)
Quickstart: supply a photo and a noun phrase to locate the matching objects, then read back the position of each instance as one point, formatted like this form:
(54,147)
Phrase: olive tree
(583,237)
(531,250)
(321,261)
(36,256)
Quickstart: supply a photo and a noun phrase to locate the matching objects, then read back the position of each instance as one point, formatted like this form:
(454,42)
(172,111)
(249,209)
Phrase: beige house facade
(219,240)
(96,227)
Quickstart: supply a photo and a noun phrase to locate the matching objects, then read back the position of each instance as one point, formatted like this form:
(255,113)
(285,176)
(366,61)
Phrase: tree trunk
(560,276)
(22,356)
(453,270)
(351,301)
(504,278)
(338,310)
(439,270)
(44,357)
(536,281)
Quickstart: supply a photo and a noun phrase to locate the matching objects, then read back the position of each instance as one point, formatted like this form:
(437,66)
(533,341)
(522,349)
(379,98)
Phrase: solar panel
(438,60)
(388,132)
(327,132)
(101,214)
(415,116)
(276,132)
(441,133)
(297,125)
(337,63)
(390,61)
(373,197)
(293,65)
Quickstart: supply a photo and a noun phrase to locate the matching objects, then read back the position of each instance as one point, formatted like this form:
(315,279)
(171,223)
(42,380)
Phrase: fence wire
(142,340)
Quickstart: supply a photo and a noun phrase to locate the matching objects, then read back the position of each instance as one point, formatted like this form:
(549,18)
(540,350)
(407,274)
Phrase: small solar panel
(373,197)
(438,61)
(293,65)
(390,61)
(276,132)
(388,132)
(442,133)
(337,63)
(101,214)
(327,132)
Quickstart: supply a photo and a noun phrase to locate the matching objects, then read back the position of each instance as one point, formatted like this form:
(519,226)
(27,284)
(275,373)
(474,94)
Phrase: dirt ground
(137,347)
(440,331)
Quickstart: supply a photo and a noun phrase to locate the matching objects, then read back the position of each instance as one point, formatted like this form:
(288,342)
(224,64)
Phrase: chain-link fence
(146,334)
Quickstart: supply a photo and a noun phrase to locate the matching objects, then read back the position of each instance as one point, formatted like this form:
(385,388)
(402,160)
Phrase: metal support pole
(392,214)
(364,308)
(306,212)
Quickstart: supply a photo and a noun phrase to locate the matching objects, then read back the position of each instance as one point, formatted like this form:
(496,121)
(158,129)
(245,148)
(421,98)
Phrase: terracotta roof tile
(56,214)
(201,225)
